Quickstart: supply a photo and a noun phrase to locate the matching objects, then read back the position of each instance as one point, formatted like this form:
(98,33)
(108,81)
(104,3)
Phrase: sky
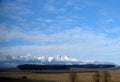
(81,29)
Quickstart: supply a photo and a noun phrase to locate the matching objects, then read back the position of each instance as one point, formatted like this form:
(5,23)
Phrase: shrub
(106,76)
(73,77)
(103,76)
(97,77)
(24,77)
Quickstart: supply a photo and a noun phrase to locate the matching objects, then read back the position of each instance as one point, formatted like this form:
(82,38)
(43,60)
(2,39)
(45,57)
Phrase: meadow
(53,76)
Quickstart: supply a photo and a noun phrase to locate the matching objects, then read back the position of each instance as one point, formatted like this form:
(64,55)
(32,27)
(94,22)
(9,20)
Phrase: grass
(54,77)
(7,79)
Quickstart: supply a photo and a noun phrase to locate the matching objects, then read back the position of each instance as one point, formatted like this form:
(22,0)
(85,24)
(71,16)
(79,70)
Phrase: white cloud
(115,30)
(74,35)
(77,8)
(71,41)
(62,10)
(50,7)
(64,49)
(9,34)
(69,3)
(104,21)
(44,20)
(14,9)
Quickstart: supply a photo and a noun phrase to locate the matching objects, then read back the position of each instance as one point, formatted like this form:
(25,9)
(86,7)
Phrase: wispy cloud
(9,34)
(77,40)
(62,10)
(73,35)
(50,7)
(104,22)
(14,9)
(48,27)
(69,2)
(76,49)
(44,20)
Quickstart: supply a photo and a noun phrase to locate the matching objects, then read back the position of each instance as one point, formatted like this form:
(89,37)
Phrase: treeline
(60,67)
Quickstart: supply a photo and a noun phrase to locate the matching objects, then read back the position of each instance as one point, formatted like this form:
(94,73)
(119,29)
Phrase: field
(14,75)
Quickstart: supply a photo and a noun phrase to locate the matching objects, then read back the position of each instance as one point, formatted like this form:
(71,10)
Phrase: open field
(58,76)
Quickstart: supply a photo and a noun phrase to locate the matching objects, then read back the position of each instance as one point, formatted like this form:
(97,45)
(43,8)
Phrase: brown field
(55,77)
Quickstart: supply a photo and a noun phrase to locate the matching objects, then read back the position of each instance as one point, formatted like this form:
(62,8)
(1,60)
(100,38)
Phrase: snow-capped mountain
(12,61)
(56,58)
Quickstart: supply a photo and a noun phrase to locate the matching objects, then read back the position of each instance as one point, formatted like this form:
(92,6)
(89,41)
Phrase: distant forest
(60,67)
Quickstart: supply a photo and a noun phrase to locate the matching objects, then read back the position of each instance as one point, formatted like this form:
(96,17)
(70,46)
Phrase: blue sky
(82,29)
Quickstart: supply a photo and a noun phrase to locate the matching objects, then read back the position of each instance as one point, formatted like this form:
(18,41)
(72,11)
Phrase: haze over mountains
(13,61)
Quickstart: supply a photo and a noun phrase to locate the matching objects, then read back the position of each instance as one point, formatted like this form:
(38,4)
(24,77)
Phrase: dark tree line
(59,67)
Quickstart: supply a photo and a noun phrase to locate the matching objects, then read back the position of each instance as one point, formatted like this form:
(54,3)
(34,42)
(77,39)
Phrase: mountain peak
(55,58)
(58,58)
(6,60)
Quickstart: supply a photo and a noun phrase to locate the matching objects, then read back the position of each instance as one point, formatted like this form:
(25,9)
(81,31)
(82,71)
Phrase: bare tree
(97,77)
(73,77)
(106,76)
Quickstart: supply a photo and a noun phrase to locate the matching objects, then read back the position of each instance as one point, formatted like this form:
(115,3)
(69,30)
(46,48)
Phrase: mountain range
(7,61)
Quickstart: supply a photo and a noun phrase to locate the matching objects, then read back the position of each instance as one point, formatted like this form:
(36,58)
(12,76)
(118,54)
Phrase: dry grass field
(56,77)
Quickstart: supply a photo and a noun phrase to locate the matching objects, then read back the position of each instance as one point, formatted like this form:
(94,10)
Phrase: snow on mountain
(6,60)
(6,57)
(64,58)
(55,58)
(42,58)
(91,61)
(26,57)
